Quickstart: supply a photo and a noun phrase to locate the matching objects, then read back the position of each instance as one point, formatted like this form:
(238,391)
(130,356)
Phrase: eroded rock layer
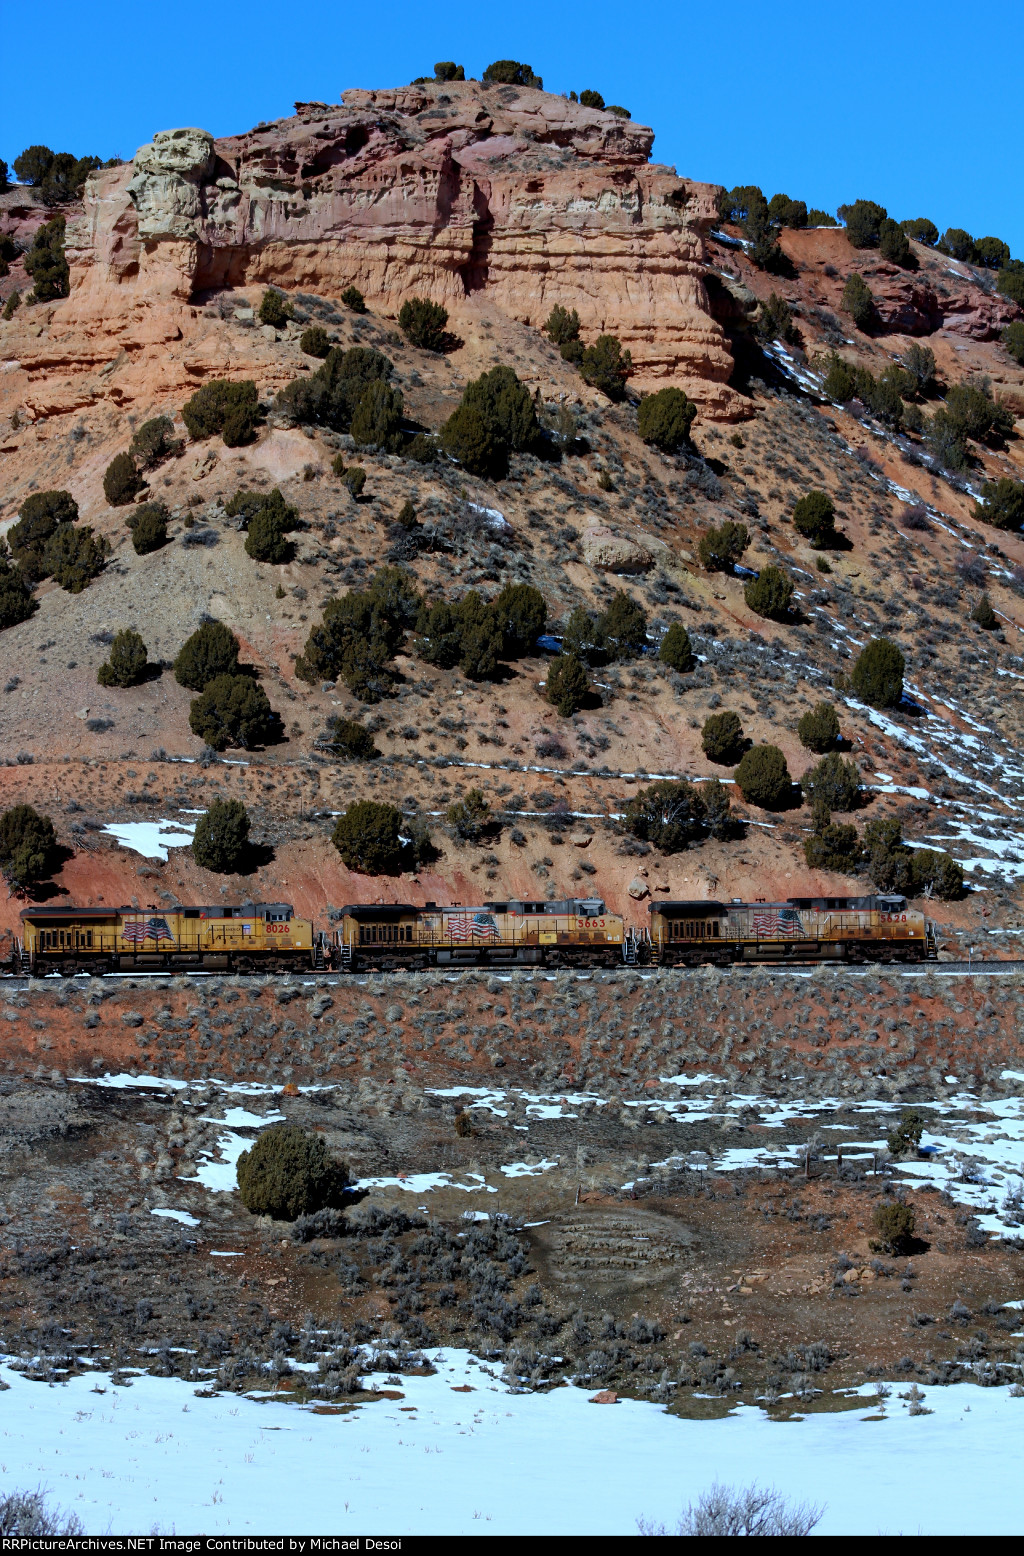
(447,192)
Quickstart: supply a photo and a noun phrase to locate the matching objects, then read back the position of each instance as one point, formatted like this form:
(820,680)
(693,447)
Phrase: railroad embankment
(828,1032)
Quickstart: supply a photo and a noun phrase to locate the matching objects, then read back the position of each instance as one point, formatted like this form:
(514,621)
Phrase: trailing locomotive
(258,937)
(878,928)
(575,932)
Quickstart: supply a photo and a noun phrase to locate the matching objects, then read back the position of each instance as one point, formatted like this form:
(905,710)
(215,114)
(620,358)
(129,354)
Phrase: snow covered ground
(461,1454)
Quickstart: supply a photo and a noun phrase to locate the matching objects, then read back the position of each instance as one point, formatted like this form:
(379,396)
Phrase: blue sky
(906,103)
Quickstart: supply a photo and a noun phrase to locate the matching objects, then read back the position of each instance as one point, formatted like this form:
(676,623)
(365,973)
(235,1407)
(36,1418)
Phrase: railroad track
(974,968)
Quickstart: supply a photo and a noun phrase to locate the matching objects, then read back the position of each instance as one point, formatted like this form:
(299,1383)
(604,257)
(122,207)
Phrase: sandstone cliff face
(447,192)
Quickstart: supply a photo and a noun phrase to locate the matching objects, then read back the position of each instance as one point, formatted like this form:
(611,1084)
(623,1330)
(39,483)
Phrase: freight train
(575,932)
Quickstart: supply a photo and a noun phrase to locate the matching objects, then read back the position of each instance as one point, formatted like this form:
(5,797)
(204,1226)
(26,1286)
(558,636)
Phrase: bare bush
(27,1513)
(752,1510)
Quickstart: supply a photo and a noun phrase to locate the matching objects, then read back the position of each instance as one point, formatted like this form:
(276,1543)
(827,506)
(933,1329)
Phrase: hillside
(500,204)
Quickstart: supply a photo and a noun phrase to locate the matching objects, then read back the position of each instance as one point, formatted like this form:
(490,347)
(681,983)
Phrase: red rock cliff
(445,191)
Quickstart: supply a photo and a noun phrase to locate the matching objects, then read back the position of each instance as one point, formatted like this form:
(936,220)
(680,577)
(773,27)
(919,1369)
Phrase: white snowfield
(153,1458)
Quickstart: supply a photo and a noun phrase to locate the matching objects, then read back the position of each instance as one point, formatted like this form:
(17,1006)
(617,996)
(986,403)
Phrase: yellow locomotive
(879,928)
(576,932)
(258,937)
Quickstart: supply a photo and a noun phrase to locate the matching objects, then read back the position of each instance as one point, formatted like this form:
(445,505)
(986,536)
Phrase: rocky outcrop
(445,191)
(605,551)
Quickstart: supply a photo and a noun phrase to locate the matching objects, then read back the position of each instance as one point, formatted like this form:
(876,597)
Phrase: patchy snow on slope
(441,1461)
(152,839)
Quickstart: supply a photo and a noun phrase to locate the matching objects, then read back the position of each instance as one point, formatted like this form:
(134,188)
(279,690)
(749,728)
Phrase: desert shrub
(671,814)
(947,442)
(762,232)
(665,418)
(984,616)
(377,421)
(762,778)
(46,264)
(991,253)
(877,677)
(353,299)
(750,1511)
(153,442)
(591,99)
(857,301)
(351,739)
(368,838)
(148,527)
(974,414)
(275,308)
(894,1228)
(16,600)
(676,649)
(225,407)
(1013,341)
(894,245)
(467,438)
(354,477)
(221,840)
(775,320)
(29,852)
(211,651)
(465,632)
(581,636)
(448,70)
(73,556)
(128,661)
(834,847)
(722,738)
(265,541)
(814,517)
(470,817)
(562,327)
(233,710)
(568,684)
(921,230)
(735,206)
(1010,282)
(359,634)
(65,177)
(919,362)
(896,867)
(11,306)
(512,72)
(506,407)
(787,212)
(288,1172)
(27,1513)
(315,341)
(833,782)
(818,729)
(33,164)
(423,323)
(863,221)
(521,614)
(1003,504)
(840,382)
(622,627)
(770,594)
(38,518)
(721,546)
(957,243)
(122,482)
(905,1138)
(818,218)
(605,366)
